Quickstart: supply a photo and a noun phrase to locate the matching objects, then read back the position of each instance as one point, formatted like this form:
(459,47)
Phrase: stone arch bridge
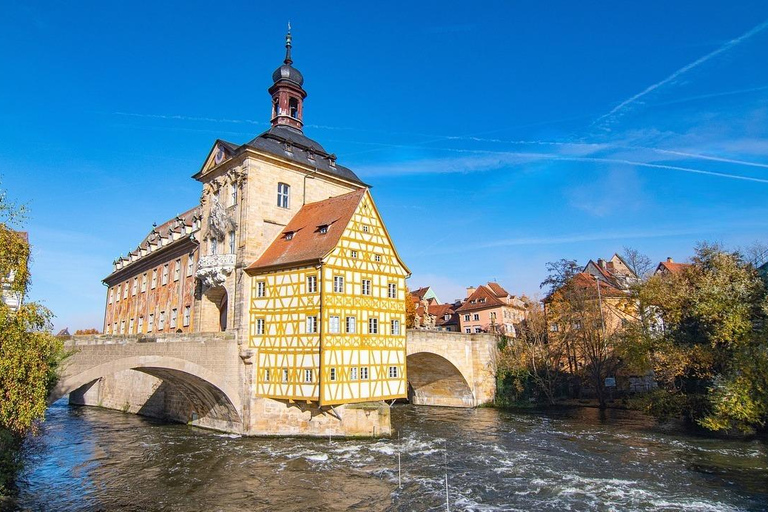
(451,369)
(205,379)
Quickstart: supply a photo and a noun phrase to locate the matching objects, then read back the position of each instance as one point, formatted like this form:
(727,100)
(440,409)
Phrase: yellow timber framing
(343,367)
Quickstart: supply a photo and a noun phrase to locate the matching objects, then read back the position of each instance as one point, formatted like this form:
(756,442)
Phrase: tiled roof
(167,228)
(672,267)
(481,298)
(439,311)
(498,290)
(161,236)
(302,240)
(419,294)
(586,281)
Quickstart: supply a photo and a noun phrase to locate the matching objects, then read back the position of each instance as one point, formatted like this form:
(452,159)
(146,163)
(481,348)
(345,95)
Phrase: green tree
(708,346)
(29,354)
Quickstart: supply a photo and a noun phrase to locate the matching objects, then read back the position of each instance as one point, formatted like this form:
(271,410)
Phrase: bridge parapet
(113,339)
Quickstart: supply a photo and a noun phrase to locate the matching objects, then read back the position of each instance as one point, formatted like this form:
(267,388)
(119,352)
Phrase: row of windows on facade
(393,372)
(492,316)
(334,326)
(338,287)
(122,288)
(213,244)
(376,257)
(139,326)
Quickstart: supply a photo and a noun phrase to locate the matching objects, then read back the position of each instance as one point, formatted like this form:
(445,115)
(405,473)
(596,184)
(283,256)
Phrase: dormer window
(293,108)
(289,235)
(323,229)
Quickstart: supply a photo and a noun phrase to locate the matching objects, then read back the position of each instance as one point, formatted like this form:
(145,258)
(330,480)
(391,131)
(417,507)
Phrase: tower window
(293,107)
(283,195)
(276,108)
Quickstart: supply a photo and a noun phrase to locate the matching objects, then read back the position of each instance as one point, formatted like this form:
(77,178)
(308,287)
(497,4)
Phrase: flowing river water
(95,459)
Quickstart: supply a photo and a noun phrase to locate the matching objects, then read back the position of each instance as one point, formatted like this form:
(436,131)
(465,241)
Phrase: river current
(484,459)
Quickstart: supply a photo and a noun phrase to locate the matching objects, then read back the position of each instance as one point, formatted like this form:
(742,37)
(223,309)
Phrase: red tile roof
(481,298)
(419,294)
(498,290)
(672,267)
(439,311)
(306,243)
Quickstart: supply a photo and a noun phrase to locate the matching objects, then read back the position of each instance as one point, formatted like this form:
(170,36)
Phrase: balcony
(212,270)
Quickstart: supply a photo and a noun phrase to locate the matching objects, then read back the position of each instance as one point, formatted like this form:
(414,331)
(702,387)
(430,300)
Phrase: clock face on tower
(219,156)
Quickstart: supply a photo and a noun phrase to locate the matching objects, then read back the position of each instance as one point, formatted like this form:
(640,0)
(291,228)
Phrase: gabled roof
(498,290)
(302,241)
(594,269)
(481,298)
(439,311)
(671,267)
(419,294)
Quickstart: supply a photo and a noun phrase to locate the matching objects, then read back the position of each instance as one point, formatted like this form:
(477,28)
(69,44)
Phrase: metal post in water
(447,502)
(399,479)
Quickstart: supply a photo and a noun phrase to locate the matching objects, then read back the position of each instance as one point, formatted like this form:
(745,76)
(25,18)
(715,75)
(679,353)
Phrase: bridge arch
(436,380)
(208,393)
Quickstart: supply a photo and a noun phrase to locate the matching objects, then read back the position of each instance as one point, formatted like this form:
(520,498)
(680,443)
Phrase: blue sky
(497,135)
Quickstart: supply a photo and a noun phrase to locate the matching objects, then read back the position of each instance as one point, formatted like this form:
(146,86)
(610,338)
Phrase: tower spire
(288,59)
(287,91)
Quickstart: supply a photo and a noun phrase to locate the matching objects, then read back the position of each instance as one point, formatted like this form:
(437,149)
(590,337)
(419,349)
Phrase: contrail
(609,145)
(707,157)
(443,166)
(662,166)
(188,118)
(724,48)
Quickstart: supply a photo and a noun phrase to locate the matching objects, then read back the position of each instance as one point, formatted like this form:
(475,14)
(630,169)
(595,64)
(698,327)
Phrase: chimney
(670,260)
(601,263)
(470,290)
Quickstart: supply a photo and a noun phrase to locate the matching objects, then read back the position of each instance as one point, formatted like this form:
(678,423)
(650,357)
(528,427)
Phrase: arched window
(276,107)
(293,107)
(283,195)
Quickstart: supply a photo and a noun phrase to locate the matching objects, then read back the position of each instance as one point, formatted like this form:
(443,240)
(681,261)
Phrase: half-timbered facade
(327,314)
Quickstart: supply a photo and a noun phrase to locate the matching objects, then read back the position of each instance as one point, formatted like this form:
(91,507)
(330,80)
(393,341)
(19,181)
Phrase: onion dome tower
(287,92)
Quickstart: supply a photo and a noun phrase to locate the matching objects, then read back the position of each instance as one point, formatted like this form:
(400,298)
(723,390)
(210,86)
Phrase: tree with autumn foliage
(708,341)
(410,310)
(29,354)
(83,332)
(528,366)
